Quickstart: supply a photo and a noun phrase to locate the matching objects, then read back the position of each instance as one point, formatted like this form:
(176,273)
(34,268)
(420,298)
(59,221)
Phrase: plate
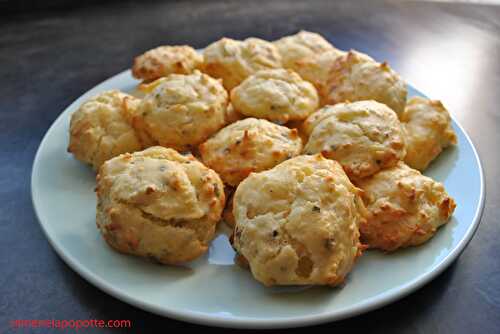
(213,290)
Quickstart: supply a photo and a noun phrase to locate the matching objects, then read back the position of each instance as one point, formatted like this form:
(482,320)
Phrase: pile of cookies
(310,153)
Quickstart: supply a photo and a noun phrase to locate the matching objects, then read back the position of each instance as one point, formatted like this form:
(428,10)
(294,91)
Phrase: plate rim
(251,322)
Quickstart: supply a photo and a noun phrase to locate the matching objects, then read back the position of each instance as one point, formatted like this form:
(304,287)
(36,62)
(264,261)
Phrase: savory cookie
(364,136)
(158,204)
(355,77)
(99,129)
(316,69)
(303,44)
(249,145)
(277,95)
(406,208)
(298,222)
(165,60)
(428,131)
(182,111)
(233,61)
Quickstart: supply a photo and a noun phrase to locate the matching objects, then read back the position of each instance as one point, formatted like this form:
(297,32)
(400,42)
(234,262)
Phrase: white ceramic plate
(213,290)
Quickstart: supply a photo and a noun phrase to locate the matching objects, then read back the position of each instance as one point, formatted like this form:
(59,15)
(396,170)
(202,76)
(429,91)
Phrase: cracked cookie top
(99,129)
(159,203)
(182,111)
(302,45)
(355,76)
(316,69)
(164,60)
(233,61)
(249,145)
(298,222)
(428,131)
(277,95)
(405,208)
(364,136)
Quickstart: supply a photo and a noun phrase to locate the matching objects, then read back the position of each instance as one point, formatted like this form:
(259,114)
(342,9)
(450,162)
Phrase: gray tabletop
(49,58)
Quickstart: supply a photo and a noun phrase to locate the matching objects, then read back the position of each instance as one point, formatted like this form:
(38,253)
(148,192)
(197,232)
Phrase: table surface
(49,58)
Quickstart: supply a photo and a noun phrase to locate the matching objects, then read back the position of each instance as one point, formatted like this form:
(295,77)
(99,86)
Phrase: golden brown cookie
(303,44)
(99,129)
(158,204)
(428,131)
(316,69)
(298,222)
(233,61)
(355,77)
(249,145)
(182,111)
(276,95)
(364,136)
(406,208)
(164,60)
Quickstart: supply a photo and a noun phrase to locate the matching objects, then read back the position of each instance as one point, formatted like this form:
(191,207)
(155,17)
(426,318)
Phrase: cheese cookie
(428,131)
(298,223)
(233,61)
(316,69)
(158,204)
(182,111)
(355,77)
(249,145)
(99,129)
(277,95)
(302,45)
(164,60)
(364,136)
(406,208)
